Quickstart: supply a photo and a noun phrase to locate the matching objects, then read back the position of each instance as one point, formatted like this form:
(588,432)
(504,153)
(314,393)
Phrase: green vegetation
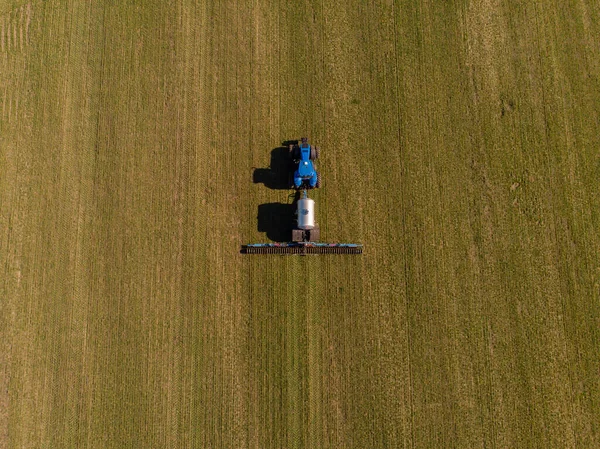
(459,143)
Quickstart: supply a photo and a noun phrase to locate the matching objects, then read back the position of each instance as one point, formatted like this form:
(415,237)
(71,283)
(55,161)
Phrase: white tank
(306,213)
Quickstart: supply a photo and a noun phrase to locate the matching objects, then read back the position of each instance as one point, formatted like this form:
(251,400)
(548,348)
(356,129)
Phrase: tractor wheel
(318,180)
(312,155)
(291,151)
(316,153)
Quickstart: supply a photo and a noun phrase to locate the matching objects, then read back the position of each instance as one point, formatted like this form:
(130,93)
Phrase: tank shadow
(276,220)
(278,175)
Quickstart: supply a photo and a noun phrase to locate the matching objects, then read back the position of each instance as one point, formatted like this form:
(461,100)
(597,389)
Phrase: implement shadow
(276,220)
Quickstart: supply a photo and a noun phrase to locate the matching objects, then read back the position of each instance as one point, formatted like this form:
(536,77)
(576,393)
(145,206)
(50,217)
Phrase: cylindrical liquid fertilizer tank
(306,213)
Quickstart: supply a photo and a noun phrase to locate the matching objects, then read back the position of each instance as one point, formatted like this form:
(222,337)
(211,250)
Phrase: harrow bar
(302,248)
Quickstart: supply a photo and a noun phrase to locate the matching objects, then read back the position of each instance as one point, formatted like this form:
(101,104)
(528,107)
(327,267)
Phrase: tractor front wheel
(318,180)
(316,153)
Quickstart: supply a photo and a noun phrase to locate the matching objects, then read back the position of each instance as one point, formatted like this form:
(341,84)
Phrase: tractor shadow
(277,175)
(277,220)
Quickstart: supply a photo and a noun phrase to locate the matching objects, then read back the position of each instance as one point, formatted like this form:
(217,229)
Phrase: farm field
(459,143)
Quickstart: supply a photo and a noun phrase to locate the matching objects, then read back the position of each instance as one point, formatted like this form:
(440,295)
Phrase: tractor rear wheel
(291,150)
(318,180)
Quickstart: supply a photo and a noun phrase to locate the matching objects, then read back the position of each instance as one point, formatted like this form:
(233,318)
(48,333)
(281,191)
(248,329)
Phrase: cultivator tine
(272,250)
(287,249)
(333,250)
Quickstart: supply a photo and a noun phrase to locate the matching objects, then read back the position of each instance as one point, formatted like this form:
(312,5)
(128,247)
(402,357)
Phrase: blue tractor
(305,176)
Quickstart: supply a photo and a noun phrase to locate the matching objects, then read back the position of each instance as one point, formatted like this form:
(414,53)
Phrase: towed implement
(306,233)
(302,248)
(305,236)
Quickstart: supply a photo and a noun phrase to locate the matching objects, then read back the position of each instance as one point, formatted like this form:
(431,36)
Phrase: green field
(459,143)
